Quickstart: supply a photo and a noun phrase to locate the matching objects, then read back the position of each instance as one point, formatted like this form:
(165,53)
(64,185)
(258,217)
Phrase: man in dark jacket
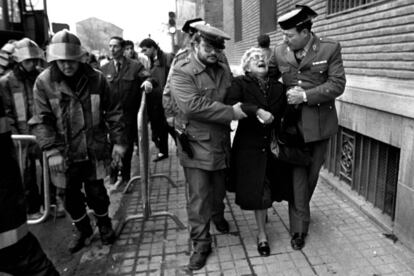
(312,70)
(20,251)
(74,113)
(125,77)
(160,66)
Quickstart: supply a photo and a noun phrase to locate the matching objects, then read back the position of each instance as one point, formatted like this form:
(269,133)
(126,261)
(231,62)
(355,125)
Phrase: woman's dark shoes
(263,248)
(298,241)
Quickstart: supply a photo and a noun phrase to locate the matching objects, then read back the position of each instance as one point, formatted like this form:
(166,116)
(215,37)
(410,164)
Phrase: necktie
(118,67)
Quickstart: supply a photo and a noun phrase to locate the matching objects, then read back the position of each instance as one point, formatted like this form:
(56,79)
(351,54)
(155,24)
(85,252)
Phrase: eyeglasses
(209,48)
(257,57)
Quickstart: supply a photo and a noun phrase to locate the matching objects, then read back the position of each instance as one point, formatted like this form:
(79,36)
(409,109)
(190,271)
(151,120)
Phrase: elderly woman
(263,100)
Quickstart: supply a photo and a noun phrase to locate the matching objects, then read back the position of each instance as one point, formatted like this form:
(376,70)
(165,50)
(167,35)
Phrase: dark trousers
(206,192)
(159,125)
(305,179)
(31,190)
(26,258)
(126,164)
(95,196)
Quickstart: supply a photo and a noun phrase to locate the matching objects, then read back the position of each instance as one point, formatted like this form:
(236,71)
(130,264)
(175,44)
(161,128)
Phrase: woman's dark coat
(250,154)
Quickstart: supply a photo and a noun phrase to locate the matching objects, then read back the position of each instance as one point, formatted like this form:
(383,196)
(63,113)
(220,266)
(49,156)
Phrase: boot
(105,229)
(82,231)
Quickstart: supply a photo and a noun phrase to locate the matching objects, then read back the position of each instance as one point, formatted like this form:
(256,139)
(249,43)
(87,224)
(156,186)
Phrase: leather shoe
(298,241)
(222,225)
(160,157)
(198,260)
(263,248)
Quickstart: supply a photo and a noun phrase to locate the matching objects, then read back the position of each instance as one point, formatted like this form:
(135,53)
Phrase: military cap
(188,26)
(27,49)
(296,17)
(212,35)
(65,46)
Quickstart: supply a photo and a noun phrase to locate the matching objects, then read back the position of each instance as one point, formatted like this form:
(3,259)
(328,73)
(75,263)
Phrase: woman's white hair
(244,63)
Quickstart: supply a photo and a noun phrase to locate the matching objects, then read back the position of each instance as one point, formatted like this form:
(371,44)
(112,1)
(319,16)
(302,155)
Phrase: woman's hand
(265,117)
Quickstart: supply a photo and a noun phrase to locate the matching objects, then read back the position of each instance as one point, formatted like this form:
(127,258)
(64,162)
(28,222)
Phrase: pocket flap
(319,68)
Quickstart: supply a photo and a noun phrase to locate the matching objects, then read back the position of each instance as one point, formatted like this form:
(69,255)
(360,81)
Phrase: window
(268,20)
(237,20)
(368,166)
(337,6)
(14,11)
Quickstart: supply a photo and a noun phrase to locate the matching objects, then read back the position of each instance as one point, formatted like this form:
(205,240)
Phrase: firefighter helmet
(64,46)
(27,49)
(9,46)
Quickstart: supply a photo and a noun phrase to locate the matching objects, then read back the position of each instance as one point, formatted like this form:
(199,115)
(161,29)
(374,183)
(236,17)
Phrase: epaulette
(181,54)
(326,40)
(182,62)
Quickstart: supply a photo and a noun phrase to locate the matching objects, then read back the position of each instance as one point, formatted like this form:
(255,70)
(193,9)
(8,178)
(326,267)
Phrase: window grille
(339,6)
(369,166)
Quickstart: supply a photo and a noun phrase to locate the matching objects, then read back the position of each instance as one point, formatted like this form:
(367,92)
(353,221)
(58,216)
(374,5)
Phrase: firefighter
(75,113)
(16,88)
(20,251)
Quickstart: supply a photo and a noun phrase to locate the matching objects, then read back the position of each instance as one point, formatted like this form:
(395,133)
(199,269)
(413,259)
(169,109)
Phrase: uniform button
(299,81)
(263,150)
(319,104)
(299,72)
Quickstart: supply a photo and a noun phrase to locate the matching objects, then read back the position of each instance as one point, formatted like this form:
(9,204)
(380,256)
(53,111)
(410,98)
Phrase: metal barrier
(145,177)
(19,139)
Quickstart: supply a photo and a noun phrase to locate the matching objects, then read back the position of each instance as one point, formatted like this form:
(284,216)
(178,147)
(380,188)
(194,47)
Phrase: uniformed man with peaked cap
(198,87)
(312,70)
(190,30)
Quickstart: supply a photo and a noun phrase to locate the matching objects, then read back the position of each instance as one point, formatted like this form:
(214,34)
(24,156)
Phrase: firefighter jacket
(13,225)
(16,88)
(321,74)
(76,122)
(201,112)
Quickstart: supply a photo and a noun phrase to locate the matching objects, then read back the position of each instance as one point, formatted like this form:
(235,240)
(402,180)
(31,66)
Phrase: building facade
(372,156)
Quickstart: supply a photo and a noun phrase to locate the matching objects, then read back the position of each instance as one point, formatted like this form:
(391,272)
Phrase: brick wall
(211,11)
(376,41)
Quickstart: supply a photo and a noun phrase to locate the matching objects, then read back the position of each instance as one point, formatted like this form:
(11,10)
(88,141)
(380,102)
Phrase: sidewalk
(341,241)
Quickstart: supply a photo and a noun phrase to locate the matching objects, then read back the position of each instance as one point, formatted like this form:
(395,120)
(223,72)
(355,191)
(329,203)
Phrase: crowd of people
(84,114)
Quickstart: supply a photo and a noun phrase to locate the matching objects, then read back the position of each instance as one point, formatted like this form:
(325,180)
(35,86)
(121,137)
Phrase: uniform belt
(13,236)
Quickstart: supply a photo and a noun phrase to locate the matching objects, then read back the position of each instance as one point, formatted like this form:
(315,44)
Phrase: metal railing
(145,175)
(19,140)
